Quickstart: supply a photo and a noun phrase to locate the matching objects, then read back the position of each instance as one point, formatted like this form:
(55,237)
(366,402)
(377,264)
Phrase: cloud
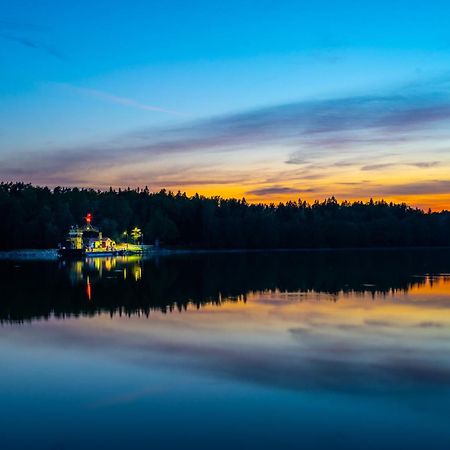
(33,44)
(353,183)
(125,101)
(419,187)
(377,166)
(273,190)
(425,164)
(307,133)
(299,331)
(418,165)
(430,324)
(378,323)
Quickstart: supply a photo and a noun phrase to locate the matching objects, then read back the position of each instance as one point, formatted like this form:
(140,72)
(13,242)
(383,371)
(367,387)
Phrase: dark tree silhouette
(39,217)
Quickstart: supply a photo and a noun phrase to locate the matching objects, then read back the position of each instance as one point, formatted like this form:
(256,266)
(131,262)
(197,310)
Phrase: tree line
(39,217)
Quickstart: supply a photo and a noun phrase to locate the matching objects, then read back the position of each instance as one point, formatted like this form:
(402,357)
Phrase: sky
(271,101)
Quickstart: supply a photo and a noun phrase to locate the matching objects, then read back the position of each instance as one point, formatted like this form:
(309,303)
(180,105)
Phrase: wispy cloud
(434,187)
(310,139)
(125,101)
(418,165)
(14,33)
(377,166)
(425,164)
(430,324)
(274,190)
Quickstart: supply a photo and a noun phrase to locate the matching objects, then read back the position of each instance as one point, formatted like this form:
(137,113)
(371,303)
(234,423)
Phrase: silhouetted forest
(39,217)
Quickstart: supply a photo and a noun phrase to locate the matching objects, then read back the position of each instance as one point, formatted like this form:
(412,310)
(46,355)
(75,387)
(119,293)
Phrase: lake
(304,350)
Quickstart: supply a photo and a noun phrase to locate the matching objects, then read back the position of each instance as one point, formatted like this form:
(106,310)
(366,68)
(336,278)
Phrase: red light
(88,218)
(88,290)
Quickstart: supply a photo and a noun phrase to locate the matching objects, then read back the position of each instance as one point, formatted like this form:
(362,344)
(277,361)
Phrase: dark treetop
(39,217)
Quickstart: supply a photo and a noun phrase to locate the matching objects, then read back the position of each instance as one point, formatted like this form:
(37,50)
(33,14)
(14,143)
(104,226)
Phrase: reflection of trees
(128,286)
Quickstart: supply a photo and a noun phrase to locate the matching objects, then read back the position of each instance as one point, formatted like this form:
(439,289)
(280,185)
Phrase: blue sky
(103,82)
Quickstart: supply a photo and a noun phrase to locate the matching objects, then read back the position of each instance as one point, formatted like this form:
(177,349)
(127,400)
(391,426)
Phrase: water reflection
(341,321)
(133,285)
(326,349)
(96,268)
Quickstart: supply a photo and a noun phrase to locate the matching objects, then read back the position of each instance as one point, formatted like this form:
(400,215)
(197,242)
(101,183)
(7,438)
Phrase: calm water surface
(281,350)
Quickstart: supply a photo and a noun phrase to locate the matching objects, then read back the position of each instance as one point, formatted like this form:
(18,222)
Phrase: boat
(89,241)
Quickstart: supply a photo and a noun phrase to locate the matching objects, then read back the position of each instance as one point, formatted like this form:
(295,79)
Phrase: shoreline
(51,253)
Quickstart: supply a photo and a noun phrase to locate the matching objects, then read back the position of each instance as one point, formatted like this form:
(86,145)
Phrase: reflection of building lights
(88,289)
(137,272)
(78,266)
(101,267)
(78,270)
